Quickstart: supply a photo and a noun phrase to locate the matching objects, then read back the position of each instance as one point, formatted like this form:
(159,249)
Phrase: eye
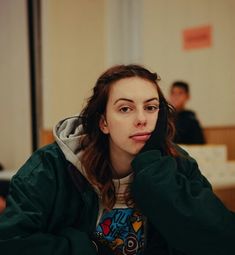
(125,109)
(152,108)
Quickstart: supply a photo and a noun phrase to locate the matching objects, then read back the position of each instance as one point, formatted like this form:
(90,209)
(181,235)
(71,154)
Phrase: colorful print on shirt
(122,229)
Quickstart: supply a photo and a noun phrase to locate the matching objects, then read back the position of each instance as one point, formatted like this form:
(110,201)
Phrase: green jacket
(53,211)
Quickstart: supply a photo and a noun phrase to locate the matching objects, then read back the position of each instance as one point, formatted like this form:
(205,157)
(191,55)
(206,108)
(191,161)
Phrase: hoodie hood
(68,133)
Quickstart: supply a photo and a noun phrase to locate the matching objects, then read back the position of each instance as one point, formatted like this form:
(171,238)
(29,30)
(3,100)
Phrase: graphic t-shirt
(122,228)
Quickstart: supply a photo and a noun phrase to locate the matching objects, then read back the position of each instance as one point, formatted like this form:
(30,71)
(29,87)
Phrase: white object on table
(6,175)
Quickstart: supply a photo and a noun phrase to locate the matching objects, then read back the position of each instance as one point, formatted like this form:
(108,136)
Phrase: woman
(114,183)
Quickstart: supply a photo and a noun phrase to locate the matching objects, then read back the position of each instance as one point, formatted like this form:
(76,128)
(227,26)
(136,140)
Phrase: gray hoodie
(68,133)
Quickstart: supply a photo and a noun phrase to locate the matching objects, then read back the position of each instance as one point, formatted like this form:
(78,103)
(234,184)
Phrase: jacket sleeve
(23,222)
(180,203)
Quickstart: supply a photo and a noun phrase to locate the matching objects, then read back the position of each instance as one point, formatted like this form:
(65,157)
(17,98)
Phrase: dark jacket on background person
(52,208)
(188,129)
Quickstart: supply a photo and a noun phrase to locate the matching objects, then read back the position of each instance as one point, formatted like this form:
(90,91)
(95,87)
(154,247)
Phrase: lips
(140,137)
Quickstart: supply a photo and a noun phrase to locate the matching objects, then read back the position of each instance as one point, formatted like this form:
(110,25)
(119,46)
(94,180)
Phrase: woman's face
(131,115)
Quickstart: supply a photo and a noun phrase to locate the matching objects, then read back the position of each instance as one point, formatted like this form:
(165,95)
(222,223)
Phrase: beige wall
(209,71)
(77,46)
(15,131)
(78,43)
(73,54)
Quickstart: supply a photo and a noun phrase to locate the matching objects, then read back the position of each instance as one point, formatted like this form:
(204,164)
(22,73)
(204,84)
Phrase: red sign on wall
(198,37)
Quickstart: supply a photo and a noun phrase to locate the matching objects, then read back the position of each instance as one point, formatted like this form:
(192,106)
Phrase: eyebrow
(129,100)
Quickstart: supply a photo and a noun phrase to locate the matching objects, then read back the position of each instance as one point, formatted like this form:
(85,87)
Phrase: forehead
(178,90)
(133,88)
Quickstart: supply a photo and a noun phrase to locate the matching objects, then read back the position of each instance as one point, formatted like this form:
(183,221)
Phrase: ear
(103,125)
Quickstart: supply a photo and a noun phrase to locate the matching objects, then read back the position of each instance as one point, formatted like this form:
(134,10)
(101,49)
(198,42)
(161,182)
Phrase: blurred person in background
(188,128)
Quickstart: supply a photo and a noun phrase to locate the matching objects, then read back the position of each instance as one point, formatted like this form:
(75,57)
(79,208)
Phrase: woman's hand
(157,141)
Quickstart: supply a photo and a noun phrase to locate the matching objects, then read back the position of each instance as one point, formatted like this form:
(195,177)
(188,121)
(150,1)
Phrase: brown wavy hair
(95,158)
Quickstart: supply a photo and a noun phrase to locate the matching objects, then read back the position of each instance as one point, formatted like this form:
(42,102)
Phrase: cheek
(114,124)
(116,120)
(119,127)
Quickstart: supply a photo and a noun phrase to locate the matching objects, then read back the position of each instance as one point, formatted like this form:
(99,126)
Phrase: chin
(137,150)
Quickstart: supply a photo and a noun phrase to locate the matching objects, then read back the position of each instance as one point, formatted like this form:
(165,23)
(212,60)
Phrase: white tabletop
(7,174)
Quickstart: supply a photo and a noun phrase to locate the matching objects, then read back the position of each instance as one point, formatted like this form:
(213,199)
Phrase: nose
(141,119)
